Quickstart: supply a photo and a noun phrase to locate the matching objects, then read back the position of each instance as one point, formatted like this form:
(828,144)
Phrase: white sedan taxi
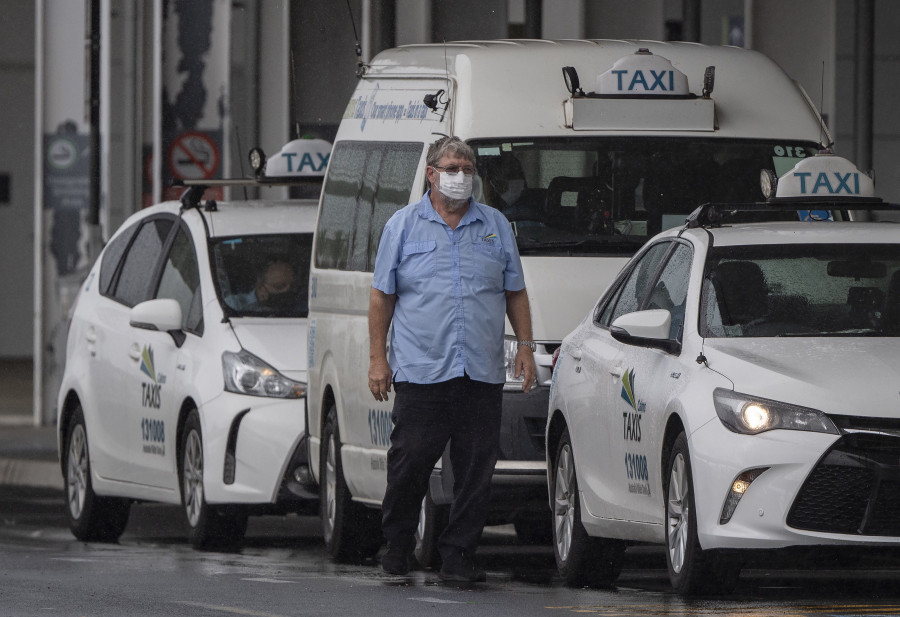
(186,365)
(735,388)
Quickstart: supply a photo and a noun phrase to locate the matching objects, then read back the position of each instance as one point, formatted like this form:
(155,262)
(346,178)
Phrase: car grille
(854,489)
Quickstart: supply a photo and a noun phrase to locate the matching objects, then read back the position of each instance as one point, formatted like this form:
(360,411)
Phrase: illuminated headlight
(247,374)
(510,348)
(750,415)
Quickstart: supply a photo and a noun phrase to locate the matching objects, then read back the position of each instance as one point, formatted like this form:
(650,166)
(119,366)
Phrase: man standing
(447,273)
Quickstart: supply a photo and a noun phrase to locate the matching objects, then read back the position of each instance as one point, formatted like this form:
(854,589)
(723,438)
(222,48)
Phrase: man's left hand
(525,367)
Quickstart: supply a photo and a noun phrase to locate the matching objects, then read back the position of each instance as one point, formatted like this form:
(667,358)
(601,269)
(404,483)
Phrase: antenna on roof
(360,67)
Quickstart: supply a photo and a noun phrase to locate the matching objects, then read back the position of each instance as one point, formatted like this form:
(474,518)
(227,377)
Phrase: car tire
(91,518)
(209,527)
(352,532)
(432,522)
(692,570)
(582,560)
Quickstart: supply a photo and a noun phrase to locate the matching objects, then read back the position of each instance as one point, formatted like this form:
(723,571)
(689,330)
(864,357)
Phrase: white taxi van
(735,388)
(589,148)
(185,376)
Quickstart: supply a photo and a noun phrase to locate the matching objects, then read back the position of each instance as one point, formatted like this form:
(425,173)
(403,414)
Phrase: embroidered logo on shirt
(489,238)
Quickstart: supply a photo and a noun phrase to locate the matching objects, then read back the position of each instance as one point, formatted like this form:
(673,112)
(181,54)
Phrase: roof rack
(712,214)
(195,188)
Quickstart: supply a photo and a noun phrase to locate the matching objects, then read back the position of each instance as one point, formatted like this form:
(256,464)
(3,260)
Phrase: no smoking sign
(193,156)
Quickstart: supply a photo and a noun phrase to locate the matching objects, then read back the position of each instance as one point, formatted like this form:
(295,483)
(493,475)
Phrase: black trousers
(426,416)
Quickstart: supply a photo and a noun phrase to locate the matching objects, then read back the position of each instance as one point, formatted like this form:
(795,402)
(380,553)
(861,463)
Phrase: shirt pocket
(490,261)
(418,260)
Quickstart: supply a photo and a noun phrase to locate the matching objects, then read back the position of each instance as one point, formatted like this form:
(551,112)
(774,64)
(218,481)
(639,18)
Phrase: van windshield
(609,195)
(263,275)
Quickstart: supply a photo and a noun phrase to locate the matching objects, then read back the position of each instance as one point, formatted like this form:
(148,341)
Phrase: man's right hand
(380,379)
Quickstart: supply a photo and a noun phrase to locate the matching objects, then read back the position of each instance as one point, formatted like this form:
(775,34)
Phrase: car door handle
(575,352)
(135,352)
(90,336)
(616,371)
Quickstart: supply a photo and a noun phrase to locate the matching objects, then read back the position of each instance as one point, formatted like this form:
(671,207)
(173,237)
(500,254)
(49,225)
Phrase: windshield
(609,195)
(802,290)
(263,275)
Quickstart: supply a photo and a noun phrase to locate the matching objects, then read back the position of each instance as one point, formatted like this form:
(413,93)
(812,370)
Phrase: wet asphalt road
(283,570)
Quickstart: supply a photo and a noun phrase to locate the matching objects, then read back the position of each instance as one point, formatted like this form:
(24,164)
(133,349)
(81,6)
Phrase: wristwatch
(529,344)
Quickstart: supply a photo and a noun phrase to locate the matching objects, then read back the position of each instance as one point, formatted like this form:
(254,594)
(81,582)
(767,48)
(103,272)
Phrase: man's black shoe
(395,560)
(460,568)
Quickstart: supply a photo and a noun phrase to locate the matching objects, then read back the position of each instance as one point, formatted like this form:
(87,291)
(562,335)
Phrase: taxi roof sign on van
(822,176)
(640,92)
(643,73)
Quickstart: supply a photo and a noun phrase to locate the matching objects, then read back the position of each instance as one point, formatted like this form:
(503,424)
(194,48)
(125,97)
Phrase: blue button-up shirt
(450,313)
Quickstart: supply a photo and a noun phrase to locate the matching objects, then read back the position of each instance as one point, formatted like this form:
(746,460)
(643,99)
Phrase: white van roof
(523,83)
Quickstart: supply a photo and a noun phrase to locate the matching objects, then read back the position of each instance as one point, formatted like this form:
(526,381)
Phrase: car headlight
(247,374)
(510,348)
(750,415)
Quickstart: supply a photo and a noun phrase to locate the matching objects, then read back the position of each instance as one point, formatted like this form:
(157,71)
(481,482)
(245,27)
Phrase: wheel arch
(70,403)
(187,405)
(556,424)
(674,427)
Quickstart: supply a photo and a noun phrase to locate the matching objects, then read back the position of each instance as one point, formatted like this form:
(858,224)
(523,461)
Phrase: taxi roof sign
(824,176)
(300,158)
(642,73)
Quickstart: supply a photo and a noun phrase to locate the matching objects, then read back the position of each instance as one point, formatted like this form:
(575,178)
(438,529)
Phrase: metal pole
(864,91)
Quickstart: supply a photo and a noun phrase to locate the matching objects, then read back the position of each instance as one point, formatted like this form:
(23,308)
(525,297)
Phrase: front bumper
(255,450)
(817,489)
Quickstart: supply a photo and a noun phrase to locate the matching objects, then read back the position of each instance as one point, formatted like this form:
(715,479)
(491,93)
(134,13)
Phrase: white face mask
(456,187)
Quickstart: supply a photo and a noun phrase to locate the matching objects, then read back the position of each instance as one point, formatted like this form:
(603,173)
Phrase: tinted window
(802,290)
(133,283)
(111,257)
(670,291)
(367,182)
(609,195)
(263,275)
(181,281)
(635,287)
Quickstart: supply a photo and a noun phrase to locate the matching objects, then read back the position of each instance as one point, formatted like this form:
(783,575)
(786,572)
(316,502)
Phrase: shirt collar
(427,211)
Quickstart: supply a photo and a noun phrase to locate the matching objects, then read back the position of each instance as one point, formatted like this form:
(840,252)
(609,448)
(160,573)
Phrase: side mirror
(163,314)
(646,329)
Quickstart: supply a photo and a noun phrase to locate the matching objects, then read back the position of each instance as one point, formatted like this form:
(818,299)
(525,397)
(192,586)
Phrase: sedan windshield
(607,196)
(802,290)
(263,275)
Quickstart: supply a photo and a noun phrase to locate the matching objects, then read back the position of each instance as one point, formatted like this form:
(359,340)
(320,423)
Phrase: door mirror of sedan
(162,314)
(646,329)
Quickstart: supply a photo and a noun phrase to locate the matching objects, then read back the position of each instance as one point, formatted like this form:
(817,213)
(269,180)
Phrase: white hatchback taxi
(185,375)
(735,388)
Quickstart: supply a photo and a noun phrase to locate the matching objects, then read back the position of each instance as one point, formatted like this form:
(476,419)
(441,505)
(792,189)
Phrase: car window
(112,256)
(802,290)
(181,281)
(264,275)
(133,282)
(634,288)
(367,182)
(670,291)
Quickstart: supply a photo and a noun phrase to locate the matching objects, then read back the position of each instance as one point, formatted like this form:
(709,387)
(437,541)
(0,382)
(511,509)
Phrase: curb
(41,474)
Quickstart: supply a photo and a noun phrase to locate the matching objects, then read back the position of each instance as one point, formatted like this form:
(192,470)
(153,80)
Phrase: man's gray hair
(449,145)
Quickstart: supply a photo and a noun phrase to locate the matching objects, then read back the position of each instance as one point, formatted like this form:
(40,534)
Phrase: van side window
(132,285)
(367,182)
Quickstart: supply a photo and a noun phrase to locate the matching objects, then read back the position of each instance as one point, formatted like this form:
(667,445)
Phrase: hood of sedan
(279,342)
(846,376)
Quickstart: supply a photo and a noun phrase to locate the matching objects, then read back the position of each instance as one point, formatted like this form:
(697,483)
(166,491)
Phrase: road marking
(229,609)
(436,600)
